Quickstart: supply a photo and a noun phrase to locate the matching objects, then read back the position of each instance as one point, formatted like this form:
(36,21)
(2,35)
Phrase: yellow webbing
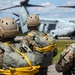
(51,47)
(23,70)
(23,55)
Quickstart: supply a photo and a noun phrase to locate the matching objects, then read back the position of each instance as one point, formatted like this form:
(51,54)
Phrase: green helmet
(32,20)
(8,27)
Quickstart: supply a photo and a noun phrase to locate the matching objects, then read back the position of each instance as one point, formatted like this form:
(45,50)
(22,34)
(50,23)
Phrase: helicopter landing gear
(72,37)
(56,37)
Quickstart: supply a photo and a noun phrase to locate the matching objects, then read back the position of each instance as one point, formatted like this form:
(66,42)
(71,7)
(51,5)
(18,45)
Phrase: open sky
(50,10)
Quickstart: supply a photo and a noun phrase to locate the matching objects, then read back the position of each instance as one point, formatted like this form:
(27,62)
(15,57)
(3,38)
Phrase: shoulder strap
(51,47)
(5,47)
(23,55)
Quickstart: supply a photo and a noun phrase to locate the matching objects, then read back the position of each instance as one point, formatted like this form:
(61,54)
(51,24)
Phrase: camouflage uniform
(13,59)
(67,60)
(35,38)
(13,53)
(44,59)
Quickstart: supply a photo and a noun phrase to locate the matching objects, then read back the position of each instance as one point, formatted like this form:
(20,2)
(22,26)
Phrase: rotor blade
(31,5)
(16,14)
(10,7)
(26,1)
(17,20)
(22,3)
(67,6)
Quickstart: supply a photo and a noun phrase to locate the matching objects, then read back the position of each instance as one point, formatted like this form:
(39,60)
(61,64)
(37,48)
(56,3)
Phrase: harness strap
(22,70)
(23,55)
(51,47)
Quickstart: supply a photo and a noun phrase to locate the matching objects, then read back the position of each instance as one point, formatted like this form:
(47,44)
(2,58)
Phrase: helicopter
(22,14)
(56,27)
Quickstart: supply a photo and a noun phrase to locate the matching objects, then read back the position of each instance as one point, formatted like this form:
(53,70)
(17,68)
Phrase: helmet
(8,27)
(33,20)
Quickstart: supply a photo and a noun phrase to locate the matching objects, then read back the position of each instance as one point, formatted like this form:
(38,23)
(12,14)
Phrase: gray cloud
(70,2)
(5,3)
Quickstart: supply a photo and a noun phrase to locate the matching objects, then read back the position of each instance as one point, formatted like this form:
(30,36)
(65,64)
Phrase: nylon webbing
(51,47)
(23,55)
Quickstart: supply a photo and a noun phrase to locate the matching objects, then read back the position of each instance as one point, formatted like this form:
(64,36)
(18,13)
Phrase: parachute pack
(15,62)
(42,45)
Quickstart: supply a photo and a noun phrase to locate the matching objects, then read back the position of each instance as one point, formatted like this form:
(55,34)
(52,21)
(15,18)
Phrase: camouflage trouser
(68,72)
(73,72)
(42,71)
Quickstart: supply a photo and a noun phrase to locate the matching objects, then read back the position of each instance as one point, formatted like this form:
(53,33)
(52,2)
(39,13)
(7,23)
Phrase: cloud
(46,4)
(8,3)
(71,2)
(16,2)
(67,12)
(5,3)
(48,8)
(54,15)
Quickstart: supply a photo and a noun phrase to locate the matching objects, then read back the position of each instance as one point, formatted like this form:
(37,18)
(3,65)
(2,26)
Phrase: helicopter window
(52,32)
(44,27)
(45,24)
(51,27)
(6,23)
